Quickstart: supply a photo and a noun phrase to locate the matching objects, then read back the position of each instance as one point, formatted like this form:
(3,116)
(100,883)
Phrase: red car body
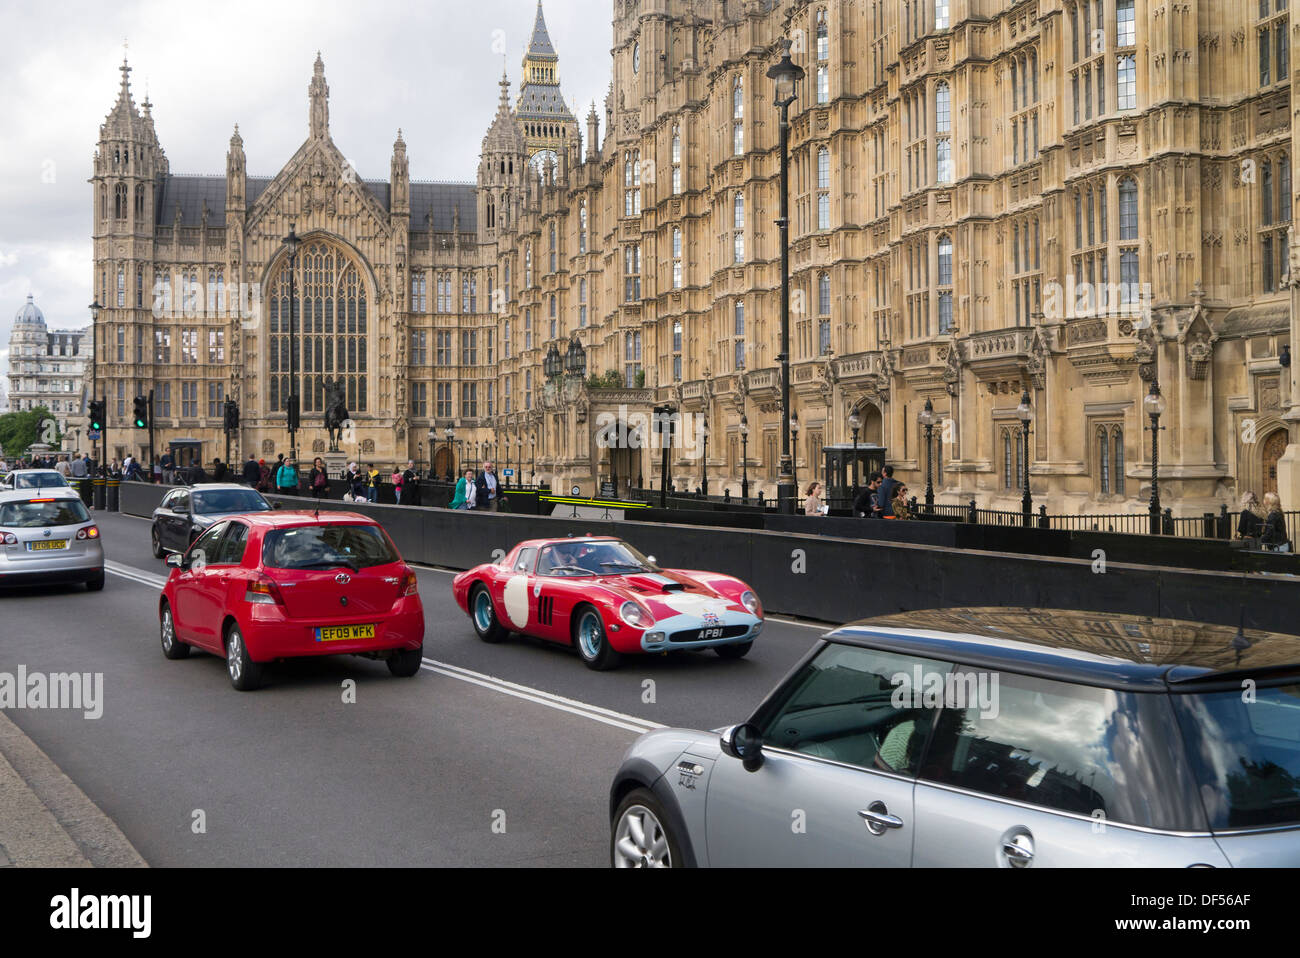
(676,609)
(282,613)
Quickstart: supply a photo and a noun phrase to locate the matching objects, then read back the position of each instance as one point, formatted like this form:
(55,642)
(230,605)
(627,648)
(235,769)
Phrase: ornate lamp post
(293,403)
(926,419)
(533,440)
(1026,414)
(744,459)
(519,448)
(419,453)
(433,453)
(785,75)
(451,454)
(855,424)
(704,460)
(1154,406)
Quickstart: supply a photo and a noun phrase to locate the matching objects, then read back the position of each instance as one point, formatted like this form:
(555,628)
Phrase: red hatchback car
(279,585)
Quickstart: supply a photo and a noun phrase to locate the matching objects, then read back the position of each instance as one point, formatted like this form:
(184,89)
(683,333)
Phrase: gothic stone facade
(1069,198)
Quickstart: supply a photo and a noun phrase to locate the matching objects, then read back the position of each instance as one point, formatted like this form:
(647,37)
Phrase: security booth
(186,452)
(839,461)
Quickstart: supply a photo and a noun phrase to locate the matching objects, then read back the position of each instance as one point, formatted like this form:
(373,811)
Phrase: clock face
(542,158)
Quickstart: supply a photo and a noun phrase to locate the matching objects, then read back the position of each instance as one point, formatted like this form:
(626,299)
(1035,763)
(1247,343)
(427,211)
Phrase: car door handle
(1018,850)
(878,819)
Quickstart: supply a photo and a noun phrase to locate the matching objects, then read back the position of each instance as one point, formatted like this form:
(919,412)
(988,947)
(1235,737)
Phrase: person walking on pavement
(78,467)
(252,472)
(396,479)
(812,503)
(372,483)
(1273,535)
(318,480)
(487,495)
(865,504)
(168,468)
(465,492)
(220,471)
(887,493)
(411,484)
(286,478)
(357,483)
(263,476)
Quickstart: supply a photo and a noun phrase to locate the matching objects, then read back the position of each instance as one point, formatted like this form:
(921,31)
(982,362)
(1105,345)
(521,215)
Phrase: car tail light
(9,539)
(262,592)
(89,532)
(410,585)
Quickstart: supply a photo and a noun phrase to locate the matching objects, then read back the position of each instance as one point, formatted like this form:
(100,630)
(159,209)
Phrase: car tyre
(158,551)
(96,582)
(484,615)
(172,647)
(640,837)
(245,674)
(592,643)
(406,663)
(737,650)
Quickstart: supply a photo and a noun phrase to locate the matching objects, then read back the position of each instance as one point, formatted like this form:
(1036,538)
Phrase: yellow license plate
(345,633)
(48,545)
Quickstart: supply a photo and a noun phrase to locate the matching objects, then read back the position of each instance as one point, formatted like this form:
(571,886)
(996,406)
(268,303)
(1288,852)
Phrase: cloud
(430,69)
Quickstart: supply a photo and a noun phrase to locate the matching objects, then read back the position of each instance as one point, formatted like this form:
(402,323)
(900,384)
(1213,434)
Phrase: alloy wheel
(640,840)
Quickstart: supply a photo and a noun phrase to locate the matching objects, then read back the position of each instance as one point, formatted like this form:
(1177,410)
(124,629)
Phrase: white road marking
(135,575)
(593,712)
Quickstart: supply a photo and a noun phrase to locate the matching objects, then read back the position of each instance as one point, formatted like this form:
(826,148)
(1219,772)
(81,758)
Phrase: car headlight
(750,601)
(634,615)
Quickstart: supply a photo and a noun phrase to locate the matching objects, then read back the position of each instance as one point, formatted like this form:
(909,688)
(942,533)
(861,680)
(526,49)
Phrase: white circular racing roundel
(517,601)
(692,604)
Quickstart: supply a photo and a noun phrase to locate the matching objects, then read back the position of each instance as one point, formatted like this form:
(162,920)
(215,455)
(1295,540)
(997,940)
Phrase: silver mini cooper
(1005,738)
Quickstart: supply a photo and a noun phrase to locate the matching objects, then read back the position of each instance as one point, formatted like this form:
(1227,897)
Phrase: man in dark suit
(252,472)
(885,494)
(487,489)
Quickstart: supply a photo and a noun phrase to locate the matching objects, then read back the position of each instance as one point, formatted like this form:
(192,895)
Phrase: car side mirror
(278,505)
(744,742)
(176,561)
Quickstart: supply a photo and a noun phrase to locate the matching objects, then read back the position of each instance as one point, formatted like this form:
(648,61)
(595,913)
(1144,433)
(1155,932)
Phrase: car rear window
(224,502)
(1244,747)
(43,480)
(328,547)
(43,513)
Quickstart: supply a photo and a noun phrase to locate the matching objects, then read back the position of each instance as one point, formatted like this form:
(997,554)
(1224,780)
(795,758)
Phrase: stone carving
(1199,352)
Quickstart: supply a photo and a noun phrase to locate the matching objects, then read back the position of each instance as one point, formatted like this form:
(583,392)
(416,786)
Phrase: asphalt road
(492,755)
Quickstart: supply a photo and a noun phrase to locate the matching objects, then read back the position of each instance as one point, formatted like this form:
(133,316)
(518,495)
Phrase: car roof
(1103,649)
(218,487)
(538,543)
(278,519)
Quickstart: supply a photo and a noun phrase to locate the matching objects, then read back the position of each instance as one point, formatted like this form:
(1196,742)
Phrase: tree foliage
(19,430)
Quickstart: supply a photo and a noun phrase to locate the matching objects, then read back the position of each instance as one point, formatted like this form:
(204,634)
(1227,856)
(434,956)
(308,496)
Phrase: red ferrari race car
(607,600)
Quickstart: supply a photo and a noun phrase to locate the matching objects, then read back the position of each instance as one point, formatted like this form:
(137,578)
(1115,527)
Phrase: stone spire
(593,133)
(319,92)
(400,180)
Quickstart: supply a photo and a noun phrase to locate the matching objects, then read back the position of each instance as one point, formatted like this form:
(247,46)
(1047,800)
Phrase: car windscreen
(225,502)
(1244,747)
(584,557)
(328,547)
(43,513)
(43,480)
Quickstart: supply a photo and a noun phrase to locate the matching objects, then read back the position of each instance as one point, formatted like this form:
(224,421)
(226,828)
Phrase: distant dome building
(48,369)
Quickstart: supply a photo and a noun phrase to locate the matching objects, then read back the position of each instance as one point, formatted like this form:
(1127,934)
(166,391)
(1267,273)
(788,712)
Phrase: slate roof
(192,192)
(543,100)
(540,45)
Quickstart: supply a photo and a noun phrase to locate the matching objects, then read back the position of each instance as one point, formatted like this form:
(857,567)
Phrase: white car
(46,538)
(33,479)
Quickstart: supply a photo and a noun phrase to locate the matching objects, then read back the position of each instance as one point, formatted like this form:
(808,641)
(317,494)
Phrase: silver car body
(30,559)
(801,808)
(27,479)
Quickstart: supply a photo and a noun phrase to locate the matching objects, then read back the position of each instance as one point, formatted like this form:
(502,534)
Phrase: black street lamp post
(1154,405)
(744,459)
(451,452)
(926,419)
(95,309)
(1026,413)
(704,461)
(855,423)
(785,75)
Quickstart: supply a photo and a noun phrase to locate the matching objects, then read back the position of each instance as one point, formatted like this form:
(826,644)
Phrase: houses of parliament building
(1071,198)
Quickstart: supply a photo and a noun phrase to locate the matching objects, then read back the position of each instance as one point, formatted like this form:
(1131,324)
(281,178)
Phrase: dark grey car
(187,512)
(989,737)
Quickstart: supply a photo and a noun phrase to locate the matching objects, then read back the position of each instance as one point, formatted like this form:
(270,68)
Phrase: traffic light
(141,412)
(97,415)
(294,413)
(232,415)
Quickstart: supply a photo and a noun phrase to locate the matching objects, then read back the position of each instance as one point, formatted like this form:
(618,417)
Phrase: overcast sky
(429,68)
